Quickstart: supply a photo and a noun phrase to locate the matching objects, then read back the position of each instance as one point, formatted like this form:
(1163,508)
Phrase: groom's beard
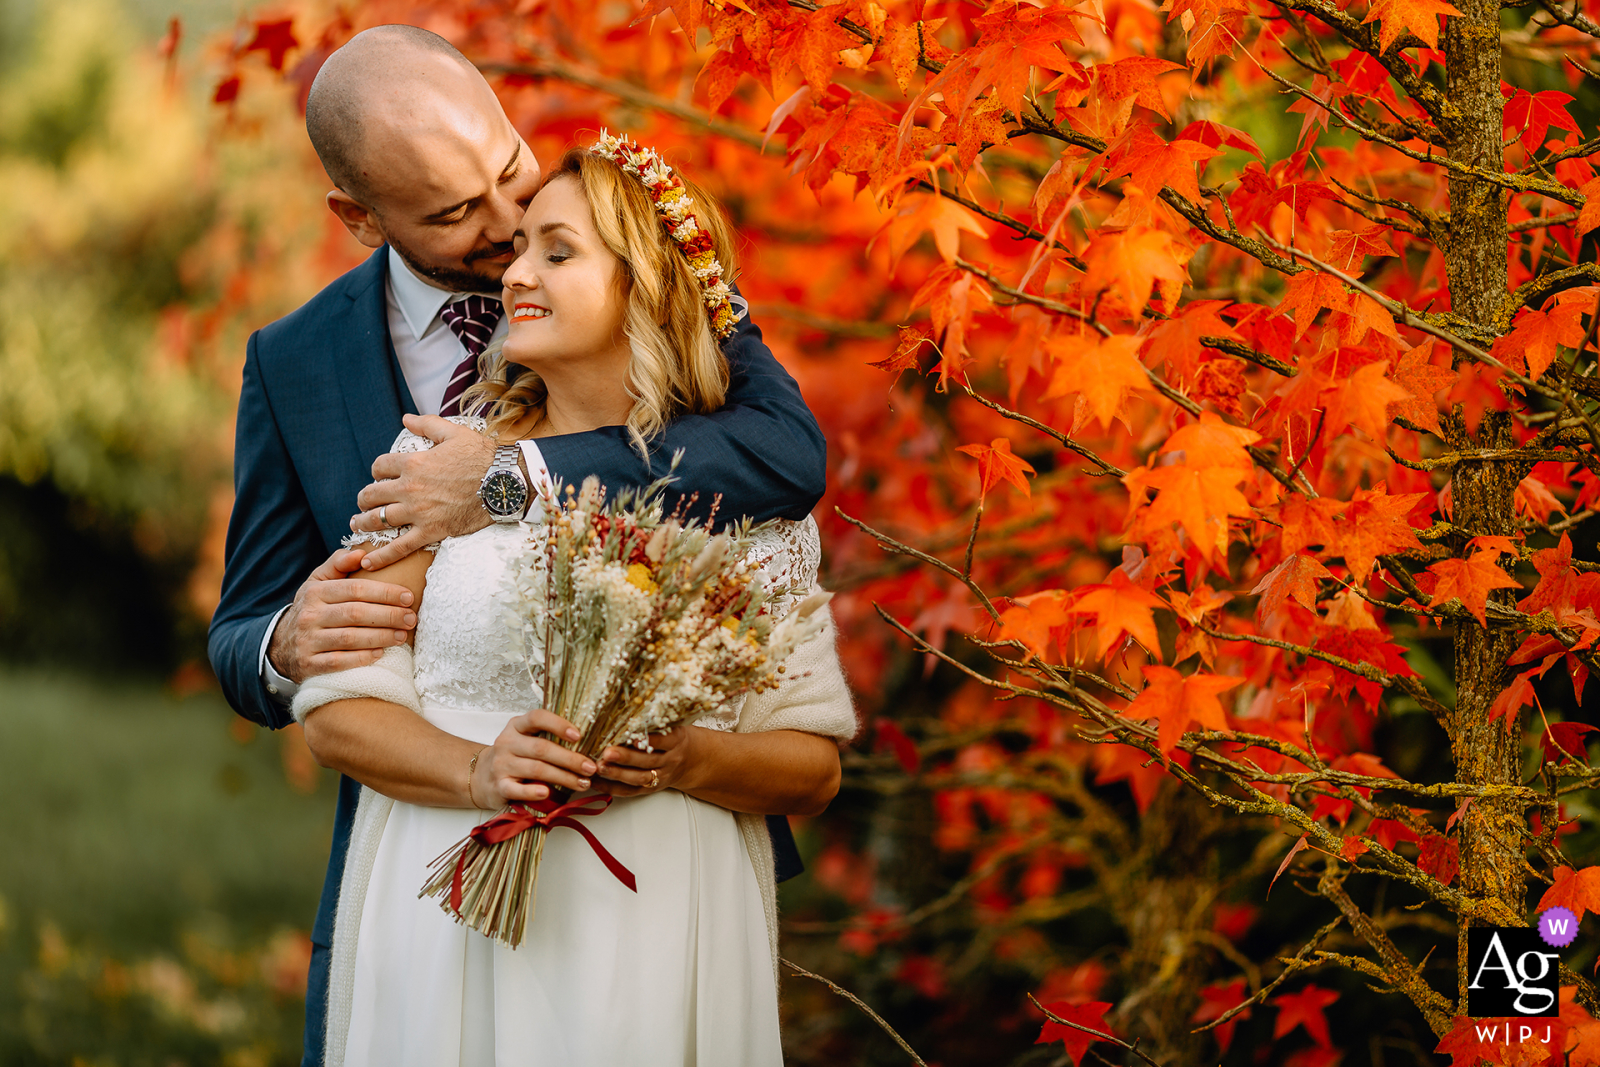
(455,279)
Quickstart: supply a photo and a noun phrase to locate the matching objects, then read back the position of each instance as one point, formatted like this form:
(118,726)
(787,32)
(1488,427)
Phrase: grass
(161,864)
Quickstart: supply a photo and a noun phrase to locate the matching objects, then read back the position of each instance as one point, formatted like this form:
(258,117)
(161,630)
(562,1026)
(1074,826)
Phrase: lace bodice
(468,655)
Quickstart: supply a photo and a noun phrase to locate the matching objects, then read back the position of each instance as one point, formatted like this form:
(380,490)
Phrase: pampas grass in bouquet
(632,622)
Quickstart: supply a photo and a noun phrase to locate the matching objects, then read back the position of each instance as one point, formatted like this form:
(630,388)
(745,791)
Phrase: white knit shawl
(813,697)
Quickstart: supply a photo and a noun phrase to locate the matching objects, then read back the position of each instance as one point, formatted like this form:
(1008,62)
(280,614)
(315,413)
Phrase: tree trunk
(1483,493)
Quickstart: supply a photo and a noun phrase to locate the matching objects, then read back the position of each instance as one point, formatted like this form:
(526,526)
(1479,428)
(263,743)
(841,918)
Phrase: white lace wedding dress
(679,973)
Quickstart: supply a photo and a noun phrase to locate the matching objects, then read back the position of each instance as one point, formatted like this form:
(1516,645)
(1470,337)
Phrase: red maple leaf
(1152,163)
(1215,1002)
(1530,115)
(1135,77)
(1092,1015)
(1440,857)
(276,39)
(1564,740)
(1216,134)
(1198,499)
(1177,342)
(996,463)
(1307,294)
(1304,1009)
(1583,1031)
(1177,700)
(890,736)
(1471,580)
(1308,521)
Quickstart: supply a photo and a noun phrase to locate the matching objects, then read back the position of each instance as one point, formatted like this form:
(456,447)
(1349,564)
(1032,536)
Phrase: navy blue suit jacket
(322,398)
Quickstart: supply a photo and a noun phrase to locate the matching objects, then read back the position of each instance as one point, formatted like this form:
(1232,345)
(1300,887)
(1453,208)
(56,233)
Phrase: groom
(433,177)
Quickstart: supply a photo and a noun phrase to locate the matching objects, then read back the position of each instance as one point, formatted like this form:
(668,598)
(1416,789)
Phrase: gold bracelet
(472,766)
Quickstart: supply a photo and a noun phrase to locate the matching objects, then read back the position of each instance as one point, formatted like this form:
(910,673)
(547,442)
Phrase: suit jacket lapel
(369,375)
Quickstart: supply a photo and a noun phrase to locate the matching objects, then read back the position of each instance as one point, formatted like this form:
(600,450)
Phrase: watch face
(504,494)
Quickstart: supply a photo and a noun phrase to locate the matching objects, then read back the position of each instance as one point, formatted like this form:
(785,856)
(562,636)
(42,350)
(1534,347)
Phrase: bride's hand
(625,771)
(524,762)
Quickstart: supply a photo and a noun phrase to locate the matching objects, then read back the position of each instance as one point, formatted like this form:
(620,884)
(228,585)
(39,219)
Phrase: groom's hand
(434,492)
(337,622)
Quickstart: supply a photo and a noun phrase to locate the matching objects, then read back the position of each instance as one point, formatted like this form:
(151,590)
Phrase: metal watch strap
(505,459)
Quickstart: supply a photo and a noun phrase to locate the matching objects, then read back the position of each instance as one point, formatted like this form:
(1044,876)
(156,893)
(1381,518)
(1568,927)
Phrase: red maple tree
(1171,473)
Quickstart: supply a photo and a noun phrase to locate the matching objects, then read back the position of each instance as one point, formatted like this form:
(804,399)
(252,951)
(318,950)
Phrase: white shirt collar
(420,302)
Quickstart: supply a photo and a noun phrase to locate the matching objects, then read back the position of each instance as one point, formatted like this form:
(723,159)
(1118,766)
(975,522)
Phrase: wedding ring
(383,515)
(655,779)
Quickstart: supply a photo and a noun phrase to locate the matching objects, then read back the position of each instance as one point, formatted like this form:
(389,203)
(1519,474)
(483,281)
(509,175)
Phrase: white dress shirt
(428,352)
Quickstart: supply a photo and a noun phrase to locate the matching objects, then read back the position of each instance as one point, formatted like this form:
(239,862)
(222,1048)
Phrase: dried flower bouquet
(632,621)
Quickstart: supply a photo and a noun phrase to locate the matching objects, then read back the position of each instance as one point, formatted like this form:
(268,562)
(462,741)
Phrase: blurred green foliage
(141,240)
(158,875)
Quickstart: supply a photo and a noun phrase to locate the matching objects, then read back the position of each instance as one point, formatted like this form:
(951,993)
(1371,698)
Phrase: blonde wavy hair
(677,366)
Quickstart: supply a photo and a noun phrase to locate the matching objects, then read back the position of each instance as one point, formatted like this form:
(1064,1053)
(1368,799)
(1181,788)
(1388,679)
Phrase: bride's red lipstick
(525,312)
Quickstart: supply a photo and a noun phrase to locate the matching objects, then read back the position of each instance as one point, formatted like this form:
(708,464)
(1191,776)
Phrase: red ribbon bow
(525,815)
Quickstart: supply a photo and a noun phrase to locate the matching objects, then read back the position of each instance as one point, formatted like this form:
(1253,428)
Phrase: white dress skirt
(679,973)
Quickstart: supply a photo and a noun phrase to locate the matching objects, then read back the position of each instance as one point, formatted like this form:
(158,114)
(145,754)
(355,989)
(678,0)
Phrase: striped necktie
(473,320)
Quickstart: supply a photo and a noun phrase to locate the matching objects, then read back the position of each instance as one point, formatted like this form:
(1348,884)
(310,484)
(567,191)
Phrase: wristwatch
(504,491)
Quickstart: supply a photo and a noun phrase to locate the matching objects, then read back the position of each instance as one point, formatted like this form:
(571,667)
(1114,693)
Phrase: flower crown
(674,207)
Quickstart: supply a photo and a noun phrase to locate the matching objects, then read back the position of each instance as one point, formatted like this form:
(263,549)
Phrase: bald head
(423,155)
(382,82)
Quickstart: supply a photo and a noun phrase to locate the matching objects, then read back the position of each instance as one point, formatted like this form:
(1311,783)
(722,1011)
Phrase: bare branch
(858,1002)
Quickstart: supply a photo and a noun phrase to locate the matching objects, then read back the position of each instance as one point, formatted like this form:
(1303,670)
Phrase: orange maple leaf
(908,351)
(1103,371)
(1307,294)
(1533,340)
(1199,499)
(1211,442)
(1577,891)
(1374,523)
(1471,581)
(1294,579)
(1361,314)
(920,213)
(1120,607)
(1420,17)
(1178,701)
(1177,341)
(1363,400)
(1308,521)
(1583,1031)
(1135,78)
(1129,262)
(1348,249)
(1033,619)
(1423,380)
(1589,217)
(996,463)
(1152,163)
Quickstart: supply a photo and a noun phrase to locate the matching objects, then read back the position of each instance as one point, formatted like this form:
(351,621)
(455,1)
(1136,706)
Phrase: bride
(615,305)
